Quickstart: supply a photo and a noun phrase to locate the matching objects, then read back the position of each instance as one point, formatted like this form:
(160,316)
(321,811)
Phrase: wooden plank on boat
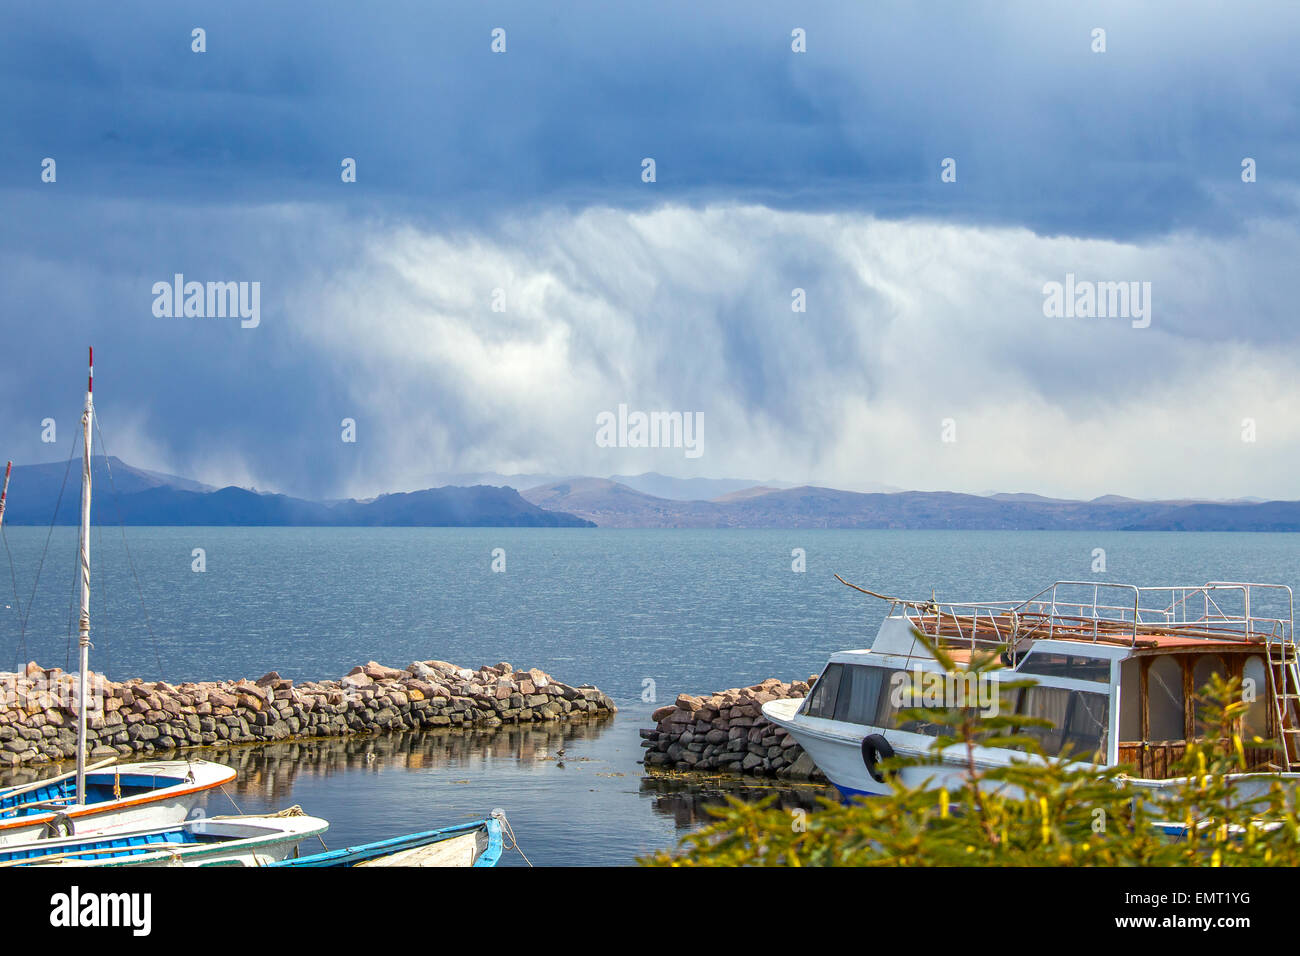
(457,851)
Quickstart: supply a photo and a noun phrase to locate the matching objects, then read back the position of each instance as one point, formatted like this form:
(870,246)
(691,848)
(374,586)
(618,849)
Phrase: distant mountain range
(612,504)
(139,497)
(651,483)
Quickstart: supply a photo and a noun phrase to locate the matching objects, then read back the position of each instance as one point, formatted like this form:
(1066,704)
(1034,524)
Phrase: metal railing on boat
(1217,610)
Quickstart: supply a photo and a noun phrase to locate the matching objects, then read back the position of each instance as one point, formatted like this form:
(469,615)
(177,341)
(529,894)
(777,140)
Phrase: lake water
(643,615)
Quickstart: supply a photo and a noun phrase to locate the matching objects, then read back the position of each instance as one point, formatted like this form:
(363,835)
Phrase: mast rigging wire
(22,636)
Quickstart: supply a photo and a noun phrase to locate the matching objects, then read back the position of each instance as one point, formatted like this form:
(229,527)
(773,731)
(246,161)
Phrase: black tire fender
(875,748)
(59,826)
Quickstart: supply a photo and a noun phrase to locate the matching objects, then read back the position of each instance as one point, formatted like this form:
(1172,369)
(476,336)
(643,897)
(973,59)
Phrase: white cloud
(908,323)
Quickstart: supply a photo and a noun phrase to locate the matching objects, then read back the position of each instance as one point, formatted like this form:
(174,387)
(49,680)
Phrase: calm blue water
(692,610)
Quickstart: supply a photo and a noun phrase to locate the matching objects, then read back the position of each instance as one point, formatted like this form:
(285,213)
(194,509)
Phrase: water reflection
(685,798)
(270,769)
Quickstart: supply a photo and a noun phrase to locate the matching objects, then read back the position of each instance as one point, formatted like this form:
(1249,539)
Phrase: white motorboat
(1115,669)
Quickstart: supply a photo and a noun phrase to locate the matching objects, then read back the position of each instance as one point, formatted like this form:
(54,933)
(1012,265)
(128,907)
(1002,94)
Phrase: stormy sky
(515,180)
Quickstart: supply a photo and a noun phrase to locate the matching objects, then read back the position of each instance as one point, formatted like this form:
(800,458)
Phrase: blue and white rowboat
(127,796)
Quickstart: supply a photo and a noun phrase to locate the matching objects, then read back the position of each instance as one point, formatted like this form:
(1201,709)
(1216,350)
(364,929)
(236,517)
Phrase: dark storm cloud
(1047,133)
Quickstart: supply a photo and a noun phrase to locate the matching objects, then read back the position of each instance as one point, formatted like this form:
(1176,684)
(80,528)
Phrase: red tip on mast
(4,492)
(90,379)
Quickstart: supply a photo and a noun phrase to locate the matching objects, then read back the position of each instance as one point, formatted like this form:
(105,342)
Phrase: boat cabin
(1118,668)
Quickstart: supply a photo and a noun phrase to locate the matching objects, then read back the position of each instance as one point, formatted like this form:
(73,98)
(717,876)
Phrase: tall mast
(4,493)
(83,626)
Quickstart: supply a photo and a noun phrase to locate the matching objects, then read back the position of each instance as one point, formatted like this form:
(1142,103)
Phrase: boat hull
(471,844)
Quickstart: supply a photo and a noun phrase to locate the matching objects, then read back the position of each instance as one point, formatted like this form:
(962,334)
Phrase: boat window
(1130,700)
(1079,720)
(1207,665)
(863,694)
(888,715)
(1085,735)
(859,694)
(1074,666)
(821,702)
(1045,703)
(1254,683)
(926,727)
(1165,700)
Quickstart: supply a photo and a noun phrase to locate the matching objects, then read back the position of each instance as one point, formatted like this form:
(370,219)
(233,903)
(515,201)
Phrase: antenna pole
(83,626)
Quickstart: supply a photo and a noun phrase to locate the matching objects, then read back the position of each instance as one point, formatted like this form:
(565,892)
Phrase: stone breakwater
(727,733)
(38,722)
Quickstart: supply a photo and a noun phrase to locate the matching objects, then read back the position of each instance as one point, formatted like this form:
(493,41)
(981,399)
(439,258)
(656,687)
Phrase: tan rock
(222,699)
(357,680)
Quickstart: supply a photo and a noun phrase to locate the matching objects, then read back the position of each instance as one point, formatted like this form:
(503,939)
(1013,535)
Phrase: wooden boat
(119,797)
(207,841)
(468,844)
(134,795)
(1117,669)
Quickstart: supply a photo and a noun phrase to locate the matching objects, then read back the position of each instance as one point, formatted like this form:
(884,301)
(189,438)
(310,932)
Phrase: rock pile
(38,721)
(727,733)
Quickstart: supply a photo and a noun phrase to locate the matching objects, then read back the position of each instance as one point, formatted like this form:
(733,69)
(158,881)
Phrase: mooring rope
(232,800)
(509,831)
